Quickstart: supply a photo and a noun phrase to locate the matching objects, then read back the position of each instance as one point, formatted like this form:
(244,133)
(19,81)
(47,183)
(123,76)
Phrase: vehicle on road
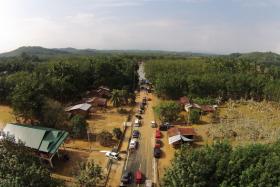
(135,134)
(158,134)
(113,155)
(148,183)
(165,126)
(140,111)
(157,152)
(138,177)
(138,116)
(137,122)
(142,106)
(158,143)
(133,144)
(153,124)
(126,177)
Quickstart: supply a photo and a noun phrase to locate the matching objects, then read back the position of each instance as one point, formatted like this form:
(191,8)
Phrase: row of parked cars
(127,176)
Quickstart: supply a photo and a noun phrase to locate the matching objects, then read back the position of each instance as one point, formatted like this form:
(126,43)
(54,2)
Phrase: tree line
(222,165)
(214,77)
(27,81)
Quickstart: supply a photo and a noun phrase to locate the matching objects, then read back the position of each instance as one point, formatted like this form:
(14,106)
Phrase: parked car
(113,155)
(126,177)
(142,106)
(165,126)
(157,152)
(137,122)
(158,143)
(135,134)
(133,144)
(138,177)
(153,124)
(140,111)
(158,134)
(138,116)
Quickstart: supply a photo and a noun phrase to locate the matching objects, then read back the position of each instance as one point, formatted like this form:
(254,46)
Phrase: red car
(138,177)
(158,134)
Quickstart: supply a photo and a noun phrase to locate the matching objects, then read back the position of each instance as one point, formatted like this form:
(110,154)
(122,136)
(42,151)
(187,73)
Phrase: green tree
(221,165)
(89,174)
(27,98)
(194,115)
(19,166)
(116,98)
(117,133)
(79,126)
(53,115)
(168,111)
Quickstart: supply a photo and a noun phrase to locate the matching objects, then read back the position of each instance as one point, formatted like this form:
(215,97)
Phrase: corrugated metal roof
(40,138)
(83,106)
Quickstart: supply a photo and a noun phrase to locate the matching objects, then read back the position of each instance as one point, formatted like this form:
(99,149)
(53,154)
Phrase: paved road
(142,158)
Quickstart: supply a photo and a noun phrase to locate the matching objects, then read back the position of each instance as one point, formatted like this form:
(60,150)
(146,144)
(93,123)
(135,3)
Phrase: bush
(168,111)
(79,126)
(90,174)
(105,138)
(194,115)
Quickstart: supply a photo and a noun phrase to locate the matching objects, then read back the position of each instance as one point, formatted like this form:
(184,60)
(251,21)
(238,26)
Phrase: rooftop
(40,138)
(83,106)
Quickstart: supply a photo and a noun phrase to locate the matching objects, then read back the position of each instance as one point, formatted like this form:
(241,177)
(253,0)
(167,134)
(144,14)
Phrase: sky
(210,26)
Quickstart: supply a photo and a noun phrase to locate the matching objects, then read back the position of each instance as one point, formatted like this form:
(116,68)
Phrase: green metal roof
(41,138)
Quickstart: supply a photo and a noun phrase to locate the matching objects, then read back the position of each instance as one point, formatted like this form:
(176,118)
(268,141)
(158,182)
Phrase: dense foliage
(89,174)
(19,167)
(168,111)
(224,77)
(221,165)
(79,126)
(26,82)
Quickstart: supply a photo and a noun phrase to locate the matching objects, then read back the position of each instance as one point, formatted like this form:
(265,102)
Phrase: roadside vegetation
(19,166)
(214,77)
(222,165)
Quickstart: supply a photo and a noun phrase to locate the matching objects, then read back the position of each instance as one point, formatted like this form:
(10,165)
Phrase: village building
(177,136)
(79,109)
(102,91)
(44,141)
(97,101)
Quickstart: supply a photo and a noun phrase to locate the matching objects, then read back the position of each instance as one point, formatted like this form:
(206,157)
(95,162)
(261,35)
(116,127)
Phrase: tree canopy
(222,165)
(19,167)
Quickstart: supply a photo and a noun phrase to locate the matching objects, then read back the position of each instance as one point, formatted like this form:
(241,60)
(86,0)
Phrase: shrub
(117,133)
(79,126)
(105,138)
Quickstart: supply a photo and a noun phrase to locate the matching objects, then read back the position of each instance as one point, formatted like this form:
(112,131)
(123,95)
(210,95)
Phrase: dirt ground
(6,115)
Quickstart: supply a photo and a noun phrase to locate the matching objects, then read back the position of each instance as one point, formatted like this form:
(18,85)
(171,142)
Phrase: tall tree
(19,166)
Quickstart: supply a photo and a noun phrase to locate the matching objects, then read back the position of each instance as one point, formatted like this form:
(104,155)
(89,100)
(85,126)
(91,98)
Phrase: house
(103,91)
(44,141)
(177,136)
(208,109)
(97,101)
(80,109)
(184,100)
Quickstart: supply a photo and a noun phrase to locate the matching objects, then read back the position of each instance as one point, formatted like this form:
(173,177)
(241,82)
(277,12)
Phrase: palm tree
(116,98)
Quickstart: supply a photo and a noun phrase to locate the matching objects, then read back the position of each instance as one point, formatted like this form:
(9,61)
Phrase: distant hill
(46,52)
(259,57)
(36,50)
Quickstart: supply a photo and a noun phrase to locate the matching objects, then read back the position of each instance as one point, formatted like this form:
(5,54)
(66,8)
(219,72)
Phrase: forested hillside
(214,77)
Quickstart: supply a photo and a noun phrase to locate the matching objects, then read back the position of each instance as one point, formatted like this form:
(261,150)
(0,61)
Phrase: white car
(137,122)
(113,155)
(133,144)
(153,124)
